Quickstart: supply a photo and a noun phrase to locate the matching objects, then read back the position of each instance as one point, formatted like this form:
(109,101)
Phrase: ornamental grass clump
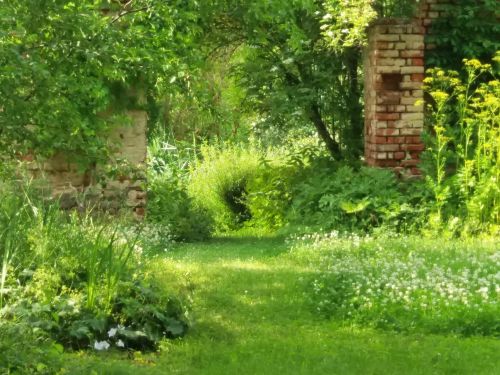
(218,183)
(407,284)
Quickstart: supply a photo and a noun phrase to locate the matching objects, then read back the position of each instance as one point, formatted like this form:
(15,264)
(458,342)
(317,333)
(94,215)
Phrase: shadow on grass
(235,247)
(252,316)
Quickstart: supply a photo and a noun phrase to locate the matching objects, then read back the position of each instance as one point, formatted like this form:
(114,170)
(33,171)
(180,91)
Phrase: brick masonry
(394,72)
(124,191)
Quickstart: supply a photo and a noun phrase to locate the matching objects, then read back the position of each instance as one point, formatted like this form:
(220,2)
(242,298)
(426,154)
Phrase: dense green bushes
(25,351)
(174,215)
(351,199)
(219,182)
(469,29)
(77,279)
(271,188)
(274,188)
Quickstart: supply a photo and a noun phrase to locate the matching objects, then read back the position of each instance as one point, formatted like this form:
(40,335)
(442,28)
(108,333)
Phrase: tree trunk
(314,114)
(354,133)
(332,145)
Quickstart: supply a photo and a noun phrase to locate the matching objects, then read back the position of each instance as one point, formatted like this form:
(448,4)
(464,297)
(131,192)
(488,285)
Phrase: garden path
(251,316)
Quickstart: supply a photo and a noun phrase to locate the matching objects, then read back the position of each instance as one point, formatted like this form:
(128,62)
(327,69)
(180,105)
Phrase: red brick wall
(394,74)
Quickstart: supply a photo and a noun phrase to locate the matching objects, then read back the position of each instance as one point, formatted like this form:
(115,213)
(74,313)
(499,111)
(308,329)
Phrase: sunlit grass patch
(249,315)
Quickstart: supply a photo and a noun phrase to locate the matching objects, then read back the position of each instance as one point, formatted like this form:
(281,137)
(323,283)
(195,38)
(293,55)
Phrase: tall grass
(100,250)
(106,257)
(35,233)
(16,215)
(219,182)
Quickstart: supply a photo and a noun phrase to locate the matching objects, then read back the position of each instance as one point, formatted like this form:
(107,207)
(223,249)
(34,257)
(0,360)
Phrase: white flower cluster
(367,277)
(156,236)
(105,344)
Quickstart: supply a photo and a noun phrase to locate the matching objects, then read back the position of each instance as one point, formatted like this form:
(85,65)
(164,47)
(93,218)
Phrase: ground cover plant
(252,312)
(74,280)
(408,284)
(355,199)
(27,352)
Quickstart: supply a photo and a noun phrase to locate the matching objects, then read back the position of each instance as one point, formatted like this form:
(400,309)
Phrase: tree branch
(127,12)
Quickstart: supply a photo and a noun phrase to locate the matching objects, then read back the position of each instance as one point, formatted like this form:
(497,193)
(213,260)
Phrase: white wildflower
(112,332)
(101,345)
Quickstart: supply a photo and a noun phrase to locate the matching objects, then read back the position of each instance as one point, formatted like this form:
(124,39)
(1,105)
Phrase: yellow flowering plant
(463,139)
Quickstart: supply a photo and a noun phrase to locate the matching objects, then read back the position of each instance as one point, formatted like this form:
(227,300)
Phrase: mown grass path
(251,316)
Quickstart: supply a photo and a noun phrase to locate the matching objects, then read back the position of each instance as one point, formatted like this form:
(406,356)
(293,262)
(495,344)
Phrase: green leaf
(354,207)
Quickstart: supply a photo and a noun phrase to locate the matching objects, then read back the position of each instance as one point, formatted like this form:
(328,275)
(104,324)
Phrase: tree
(302,63)
(289,73)
(469,30)
(64,66)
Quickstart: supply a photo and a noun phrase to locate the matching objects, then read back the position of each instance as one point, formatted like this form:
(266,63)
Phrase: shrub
(273,188)
(465,29)
(269,194)
(301,186)
(139,316)
(331,196)
(219,181)
(169,205)
(26,352)
(71,278)
(408,284)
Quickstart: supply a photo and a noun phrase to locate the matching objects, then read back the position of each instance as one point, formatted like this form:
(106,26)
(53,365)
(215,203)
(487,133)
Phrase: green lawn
(251,316)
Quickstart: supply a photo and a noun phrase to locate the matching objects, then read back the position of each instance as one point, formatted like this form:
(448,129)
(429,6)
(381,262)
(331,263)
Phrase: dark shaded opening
(391,81)
(235,198)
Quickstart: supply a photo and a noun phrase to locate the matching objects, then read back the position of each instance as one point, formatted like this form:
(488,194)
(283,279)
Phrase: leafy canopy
(64,66)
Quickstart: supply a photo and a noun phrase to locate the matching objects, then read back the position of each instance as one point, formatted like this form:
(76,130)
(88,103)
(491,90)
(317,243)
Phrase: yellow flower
(440,96)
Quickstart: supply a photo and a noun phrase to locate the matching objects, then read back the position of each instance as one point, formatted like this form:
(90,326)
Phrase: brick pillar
(394,73)
(394,113)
